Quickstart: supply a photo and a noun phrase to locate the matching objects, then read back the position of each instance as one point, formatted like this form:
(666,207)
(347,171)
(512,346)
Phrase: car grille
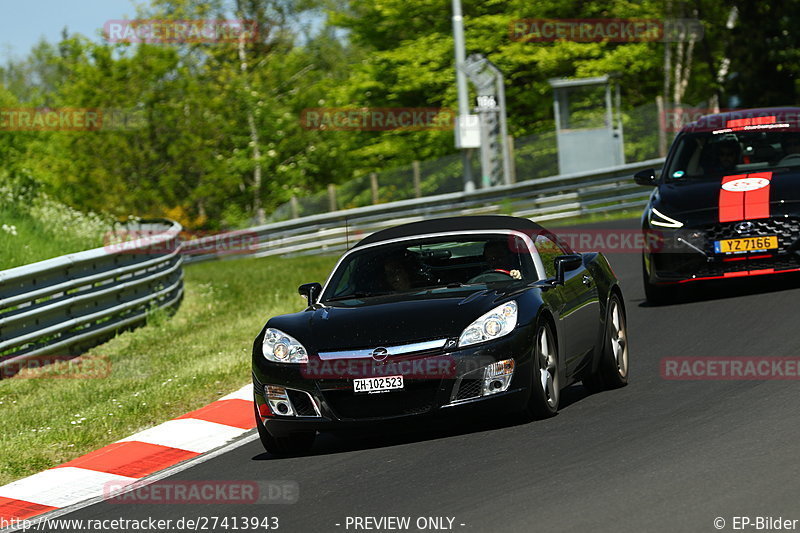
(787,229)
(417,398)
(468,389)
(302,403)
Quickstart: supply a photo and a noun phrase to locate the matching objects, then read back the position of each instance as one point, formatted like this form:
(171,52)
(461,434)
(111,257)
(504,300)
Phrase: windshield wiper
(355,295)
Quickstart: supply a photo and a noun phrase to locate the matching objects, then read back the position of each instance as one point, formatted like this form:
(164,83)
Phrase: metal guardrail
(543,199)
(65,304)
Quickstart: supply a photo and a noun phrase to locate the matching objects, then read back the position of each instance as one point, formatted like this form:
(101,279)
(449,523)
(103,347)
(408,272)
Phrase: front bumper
(688,254)
(437,382)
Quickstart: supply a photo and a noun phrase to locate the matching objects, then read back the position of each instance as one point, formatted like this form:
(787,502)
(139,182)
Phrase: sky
(24,22)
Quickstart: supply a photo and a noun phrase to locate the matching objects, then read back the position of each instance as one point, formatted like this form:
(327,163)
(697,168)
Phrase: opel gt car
(437,318)
(727,204)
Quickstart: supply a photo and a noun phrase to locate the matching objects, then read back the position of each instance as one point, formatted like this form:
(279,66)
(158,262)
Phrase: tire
(545,390)
(612,371)
(292,444)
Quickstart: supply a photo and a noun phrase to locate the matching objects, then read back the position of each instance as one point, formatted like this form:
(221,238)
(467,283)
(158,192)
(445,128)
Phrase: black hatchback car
(727,204)
(435,317)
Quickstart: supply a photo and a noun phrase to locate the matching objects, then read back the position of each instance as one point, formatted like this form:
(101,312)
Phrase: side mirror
(311,291)
(646,177)
(566,263)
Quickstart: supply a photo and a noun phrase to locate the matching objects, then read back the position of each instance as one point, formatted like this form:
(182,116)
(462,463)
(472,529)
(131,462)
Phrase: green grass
(171,366)
(28,236)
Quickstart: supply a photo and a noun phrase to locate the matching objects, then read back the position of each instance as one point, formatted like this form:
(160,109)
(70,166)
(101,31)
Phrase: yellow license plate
(746,244)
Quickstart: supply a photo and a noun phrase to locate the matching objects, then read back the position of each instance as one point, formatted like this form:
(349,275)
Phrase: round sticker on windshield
(745,184)
(678,174)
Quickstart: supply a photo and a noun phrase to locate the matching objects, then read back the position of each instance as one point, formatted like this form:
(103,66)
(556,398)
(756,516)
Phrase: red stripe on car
(731,203)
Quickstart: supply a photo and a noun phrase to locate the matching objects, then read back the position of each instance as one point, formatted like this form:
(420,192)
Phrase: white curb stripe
(59,487)
(188,434)
(245,393)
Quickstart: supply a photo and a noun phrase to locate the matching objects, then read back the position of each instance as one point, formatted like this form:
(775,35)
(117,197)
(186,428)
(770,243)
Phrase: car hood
(388,321)
(697,202)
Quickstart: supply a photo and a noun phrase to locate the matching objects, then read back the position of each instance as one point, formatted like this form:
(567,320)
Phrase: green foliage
(188,126)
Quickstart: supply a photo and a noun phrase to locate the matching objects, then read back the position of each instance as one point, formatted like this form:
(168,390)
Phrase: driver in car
(727,155)
(498,257)
(397,272)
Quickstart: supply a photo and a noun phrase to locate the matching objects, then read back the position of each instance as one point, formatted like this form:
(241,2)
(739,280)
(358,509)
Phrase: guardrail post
(417,186)
(373,181)
(295,206)
(512,168)
(332,206)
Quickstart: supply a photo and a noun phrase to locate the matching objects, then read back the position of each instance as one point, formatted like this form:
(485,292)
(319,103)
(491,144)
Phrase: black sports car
(727,203)
(433,317)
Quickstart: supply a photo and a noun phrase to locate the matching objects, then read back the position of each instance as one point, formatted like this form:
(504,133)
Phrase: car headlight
(282,348)
(498,322)
(657,218)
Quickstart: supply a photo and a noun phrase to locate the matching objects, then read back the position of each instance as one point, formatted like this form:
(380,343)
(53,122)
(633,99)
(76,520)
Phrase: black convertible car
(727,204)
(435,317)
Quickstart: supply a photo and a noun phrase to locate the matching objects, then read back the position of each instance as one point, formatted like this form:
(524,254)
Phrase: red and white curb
(131,458)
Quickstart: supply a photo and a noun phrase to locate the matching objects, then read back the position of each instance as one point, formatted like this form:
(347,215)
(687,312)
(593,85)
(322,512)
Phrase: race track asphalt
(657,455)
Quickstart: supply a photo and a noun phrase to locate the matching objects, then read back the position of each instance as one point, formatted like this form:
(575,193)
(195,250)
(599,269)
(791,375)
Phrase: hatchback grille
(787,229)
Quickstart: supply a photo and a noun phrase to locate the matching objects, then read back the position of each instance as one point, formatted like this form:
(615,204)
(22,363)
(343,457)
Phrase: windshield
(709,155)
(441,264)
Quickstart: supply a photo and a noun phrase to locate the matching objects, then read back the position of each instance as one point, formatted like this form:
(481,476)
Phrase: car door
(578,305)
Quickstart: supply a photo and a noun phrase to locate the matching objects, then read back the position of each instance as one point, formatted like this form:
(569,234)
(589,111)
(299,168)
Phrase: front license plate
(381,384)
(746,244)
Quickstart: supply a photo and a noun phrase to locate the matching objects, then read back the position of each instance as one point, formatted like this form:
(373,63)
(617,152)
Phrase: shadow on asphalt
(732,288)
(383,434)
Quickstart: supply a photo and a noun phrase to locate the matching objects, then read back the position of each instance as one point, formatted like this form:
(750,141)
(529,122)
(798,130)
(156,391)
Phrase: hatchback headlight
(657,218)
(282,348)
(496,323)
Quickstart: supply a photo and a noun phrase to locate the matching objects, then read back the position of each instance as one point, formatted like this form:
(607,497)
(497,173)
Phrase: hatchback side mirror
(566,263)
(311,291)
(646,177)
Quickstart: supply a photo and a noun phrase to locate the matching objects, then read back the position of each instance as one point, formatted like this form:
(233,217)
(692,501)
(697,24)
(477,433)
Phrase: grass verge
(157,372)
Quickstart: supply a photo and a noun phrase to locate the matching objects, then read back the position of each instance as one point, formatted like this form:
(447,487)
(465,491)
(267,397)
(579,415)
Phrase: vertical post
(461,86)
(507,161)
(332,197)
(295,207)
(662,127)
(417,179)
(373,181)
(618,105)
(512,167)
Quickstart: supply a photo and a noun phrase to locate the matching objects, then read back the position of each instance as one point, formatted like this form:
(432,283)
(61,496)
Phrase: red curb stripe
(19,509)
(131,459)
(236,413)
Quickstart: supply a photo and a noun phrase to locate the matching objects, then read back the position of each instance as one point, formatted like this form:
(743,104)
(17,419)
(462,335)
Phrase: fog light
(497,377)
(278,400)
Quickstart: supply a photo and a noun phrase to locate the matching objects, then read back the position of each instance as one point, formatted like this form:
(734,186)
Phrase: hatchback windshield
(709,155)
(432,264)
